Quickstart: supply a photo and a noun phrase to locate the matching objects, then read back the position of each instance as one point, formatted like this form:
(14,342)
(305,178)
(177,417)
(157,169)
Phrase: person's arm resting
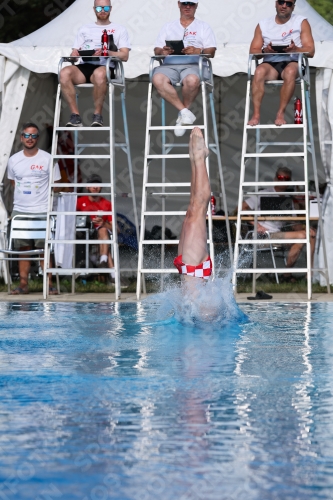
(308,45)
(122,54)
(257,42)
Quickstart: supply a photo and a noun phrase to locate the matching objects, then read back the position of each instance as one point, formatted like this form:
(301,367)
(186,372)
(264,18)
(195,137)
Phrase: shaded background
(19,18)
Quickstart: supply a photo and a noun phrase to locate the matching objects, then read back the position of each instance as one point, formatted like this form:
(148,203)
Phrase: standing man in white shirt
(29,173)
(285,28)
(198,38)
(93,71)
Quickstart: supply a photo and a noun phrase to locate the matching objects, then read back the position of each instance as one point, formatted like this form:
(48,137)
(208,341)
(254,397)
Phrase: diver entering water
(192,246)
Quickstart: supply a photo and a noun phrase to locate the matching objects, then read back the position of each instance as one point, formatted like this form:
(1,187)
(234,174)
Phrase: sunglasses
(107,8)
(283,177)
(189,4)
(288,4)
(26,136)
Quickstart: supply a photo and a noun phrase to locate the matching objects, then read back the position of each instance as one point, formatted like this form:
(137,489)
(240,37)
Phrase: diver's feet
(197,147)
(279,120)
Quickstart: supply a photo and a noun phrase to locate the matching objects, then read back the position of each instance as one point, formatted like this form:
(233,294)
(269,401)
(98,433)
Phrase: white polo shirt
(89,37)
(198,34)
(31,176)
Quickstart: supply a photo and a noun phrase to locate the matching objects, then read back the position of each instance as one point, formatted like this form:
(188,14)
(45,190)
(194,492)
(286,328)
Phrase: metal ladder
(79,153)
(207,87)
(305,146)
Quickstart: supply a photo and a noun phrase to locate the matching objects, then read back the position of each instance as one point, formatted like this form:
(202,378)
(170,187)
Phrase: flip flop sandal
(260,295)
(53,291)
(19,291)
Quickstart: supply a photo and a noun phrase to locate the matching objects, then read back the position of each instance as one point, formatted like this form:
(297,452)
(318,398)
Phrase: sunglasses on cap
(188,4)
(26,136)
(283,177)
(288,4)
(107,8)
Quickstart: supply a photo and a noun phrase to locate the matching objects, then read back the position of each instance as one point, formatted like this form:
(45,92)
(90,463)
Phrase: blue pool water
(122,401)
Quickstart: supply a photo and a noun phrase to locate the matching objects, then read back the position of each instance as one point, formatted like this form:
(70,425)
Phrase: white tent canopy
(232,22)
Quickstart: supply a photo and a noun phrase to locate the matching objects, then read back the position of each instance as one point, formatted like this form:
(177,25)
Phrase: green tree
(324,8)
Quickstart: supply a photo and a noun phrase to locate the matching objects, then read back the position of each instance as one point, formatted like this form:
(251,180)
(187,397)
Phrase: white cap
(192,1)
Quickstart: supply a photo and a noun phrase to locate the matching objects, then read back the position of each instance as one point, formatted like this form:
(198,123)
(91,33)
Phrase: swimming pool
(115,401)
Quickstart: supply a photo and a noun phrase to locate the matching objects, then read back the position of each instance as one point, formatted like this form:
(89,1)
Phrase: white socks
(103,258)
(112,272)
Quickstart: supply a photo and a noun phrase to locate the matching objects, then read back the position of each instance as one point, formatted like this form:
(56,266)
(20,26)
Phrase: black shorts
(88,69)
(279,66)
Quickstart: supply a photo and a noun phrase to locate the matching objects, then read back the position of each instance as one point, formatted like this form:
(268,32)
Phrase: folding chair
(265,247)
(24,227)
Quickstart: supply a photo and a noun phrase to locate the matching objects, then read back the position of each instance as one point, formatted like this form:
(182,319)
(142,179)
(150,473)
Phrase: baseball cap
(193,1)
(94,178)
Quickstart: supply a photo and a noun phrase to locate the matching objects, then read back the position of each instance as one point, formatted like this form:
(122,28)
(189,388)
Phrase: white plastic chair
(24,227)
(265,247)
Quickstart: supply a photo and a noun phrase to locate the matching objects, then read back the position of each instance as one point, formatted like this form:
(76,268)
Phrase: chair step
(273,183)
(272,155)
(283,270)
(85,129)
(271,241)
(272,125)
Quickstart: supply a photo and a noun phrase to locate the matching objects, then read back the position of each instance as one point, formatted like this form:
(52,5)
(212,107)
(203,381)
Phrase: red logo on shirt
(193,33)
(36,167)
(285,33)
(112,31)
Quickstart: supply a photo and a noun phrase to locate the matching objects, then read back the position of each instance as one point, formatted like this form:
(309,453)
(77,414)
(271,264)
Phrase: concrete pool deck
(131,297)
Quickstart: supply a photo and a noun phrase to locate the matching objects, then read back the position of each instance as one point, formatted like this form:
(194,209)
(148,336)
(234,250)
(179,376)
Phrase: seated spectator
(93,71)
(198,38)
(101,223)
(288,30)
(29,174)
(274,228)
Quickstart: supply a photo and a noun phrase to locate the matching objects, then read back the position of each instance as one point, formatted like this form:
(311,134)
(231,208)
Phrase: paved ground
(131,297)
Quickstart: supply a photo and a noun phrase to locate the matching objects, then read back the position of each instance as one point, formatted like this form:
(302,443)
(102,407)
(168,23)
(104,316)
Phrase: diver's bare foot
(197,147)
(279,120)
(255,120)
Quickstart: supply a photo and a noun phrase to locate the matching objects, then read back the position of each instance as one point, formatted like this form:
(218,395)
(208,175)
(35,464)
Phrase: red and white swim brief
(203,270)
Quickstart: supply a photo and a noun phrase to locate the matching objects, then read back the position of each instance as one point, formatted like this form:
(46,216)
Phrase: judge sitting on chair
(198,38)
(288,33)
(274,228)
(29,171)
(93,71)
(102,223)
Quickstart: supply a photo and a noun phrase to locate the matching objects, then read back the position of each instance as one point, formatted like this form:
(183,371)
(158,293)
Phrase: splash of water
(199,302)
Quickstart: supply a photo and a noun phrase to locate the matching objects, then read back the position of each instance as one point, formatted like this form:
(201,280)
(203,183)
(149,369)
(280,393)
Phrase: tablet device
(176,45)
(86,53)
(279,48)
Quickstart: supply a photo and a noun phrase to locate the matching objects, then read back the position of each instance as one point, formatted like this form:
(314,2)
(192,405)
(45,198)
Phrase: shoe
(261,295)
(53,290)
(74,121)
(19,291)
(103,265)
(97,121)
(185,117)
(112,273)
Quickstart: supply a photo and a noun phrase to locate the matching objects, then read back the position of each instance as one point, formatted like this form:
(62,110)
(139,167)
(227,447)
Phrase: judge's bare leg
(190,89)
(263,73)
(69,77)
(193,238)
(98,78)
(289,75)
(167,91)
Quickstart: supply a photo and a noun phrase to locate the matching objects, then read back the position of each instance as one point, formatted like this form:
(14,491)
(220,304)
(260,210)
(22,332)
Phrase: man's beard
(283,16)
